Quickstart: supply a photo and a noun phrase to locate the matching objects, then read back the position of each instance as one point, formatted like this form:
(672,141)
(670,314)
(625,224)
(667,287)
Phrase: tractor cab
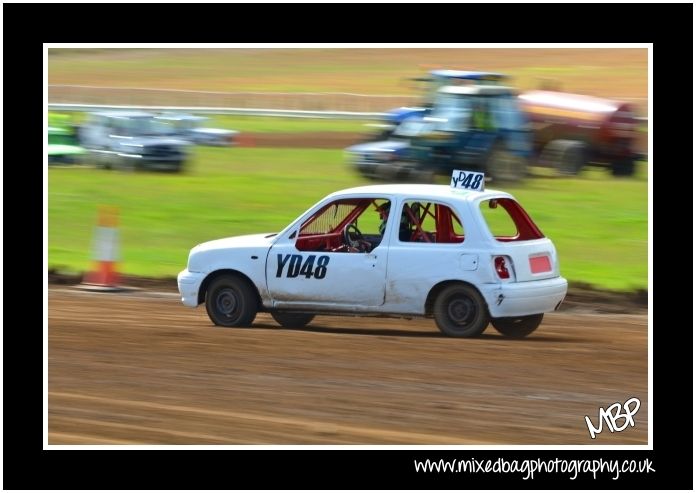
(430,84)
(471,126)
(468,120)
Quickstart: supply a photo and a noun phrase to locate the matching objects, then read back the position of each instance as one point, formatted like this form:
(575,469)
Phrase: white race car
(189,127)
(464,256)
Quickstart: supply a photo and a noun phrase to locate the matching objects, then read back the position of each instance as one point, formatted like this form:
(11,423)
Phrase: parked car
(132,140)
(63,146)
(464,256)
(188,127)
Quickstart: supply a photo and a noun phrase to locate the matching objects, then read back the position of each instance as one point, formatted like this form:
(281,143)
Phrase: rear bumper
(524,298)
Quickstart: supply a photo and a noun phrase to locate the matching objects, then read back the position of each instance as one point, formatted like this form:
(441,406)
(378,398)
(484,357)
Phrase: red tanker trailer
(573,130)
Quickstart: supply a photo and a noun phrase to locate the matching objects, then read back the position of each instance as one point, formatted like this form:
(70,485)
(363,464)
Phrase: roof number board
(467,180)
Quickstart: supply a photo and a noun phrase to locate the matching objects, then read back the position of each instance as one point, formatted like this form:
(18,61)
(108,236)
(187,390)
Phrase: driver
(404,224)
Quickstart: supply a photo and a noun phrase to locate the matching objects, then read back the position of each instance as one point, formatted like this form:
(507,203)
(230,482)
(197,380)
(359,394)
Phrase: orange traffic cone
(104,276)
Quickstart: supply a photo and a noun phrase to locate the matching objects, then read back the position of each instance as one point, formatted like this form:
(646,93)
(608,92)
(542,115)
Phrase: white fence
(336,105)
(335,115)
(140,96)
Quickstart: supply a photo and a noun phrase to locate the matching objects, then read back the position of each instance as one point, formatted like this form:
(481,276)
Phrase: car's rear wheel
(517,327)
(460,311)
(292,320)
(231,302)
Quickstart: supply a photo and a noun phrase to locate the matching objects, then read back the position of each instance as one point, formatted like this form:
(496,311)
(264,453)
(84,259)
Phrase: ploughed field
(140,368)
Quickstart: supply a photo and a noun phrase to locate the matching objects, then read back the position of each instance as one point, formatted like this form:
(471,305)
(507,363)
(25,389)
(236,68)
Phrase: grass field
(253,123)
(599,224)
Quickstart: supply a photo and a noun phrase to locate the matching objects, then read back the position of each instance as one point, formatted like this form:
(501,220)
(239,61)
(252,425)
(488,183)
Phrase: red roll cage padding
(417,221)
(333,238)
(443,223)
(526,229)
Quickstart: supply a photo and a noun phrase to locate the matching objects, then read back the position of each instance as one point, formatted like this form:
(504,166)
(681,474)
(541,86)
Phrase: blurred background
(202,117)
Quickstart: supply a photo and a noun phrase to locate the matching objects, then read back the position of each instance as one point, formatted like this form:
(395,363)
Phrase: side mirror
(493,204)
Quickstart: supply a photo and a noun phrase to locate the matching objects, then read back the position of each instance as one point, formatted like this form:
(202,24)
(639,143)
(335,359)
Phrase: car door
(433,252)
(299,278)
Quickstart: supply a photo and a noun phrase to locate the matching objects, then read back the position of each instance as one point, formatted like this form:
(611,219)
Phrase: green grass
(598,224)
(273,124)
(247,123)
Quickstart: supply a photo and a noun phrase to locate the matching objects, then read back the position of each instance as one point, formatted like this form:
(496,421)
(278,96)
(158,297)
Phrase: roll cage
(325,229)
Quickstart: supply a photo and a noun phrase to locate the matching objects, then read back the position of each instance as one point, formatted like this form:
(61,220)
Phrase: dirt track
(140,368)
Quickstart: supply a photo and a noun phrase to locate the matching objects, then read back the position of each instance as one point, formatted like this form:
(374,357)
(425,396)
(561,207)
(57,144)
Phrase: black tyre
(292,320)
(517,327)
(504,166)
(422,176)
(567,157)
(623,167)
(99,160)
(231,302)
(386,171)
(460,311)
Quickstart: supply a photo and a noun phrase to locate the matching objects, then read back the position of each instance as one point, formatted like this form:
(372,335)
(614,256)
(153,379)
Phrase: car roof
(417,191)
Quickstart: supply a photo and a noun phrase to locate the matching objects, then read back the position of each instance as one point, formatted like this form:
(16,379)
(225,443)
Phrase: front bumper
(189,284)
(524,298)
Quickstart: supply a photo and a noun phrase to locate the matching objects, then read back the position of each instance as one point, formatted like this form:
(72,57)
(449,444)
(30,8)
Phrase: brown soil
(319,140)
(140,368)
(617,73)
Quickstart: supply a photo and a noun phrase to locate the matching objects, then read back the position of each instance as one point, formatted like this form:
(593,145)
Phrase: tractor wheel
(567,157)
(505,166)
(623,167)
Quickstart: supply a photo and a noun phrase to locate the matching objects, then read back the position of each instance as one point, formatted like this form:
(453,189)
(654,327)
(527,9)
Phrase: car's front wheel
(231,302)
(517,327)
(292,320)
(460,311)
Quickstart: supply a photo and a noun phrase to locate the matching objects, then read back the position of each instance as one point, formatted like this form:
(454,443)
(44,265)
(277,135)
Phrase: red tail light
(501,268)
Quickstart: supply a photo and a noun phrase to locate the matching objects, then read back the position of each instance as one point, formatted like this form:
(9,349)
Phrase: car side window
(429,222)
(345,225)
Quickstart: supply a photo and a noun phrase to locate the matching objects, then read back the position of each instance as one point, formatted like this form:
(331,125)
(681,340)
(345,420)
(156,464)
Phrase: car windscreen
(451,112)
(145,126)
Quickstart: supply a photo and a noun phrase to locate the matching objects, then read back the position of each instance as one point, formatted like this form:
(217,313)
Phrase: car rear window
(508,221)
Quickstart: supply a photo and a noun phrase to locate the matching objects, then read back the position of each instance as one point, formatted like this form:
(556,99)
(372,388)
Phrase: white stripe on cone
(105,247)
